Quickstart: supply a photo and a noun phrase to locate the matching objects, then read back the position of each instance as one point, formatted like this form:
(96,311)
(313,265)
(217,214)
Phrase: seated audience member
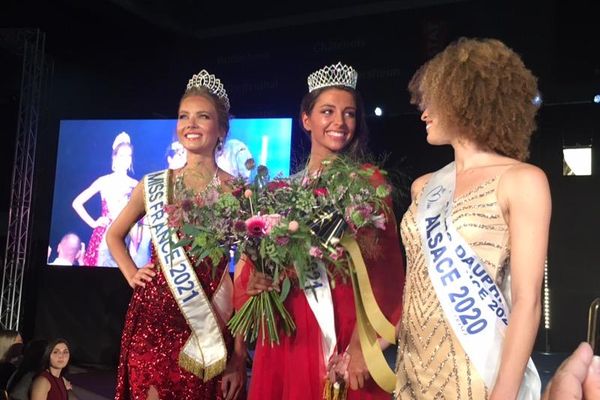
(20,382)
(11,347)
(50,384)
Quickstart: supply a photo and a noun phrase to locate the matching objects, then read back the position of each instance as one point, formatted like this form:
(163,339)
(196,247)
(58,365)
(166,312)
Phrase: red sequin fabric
(154,334)
(90,258)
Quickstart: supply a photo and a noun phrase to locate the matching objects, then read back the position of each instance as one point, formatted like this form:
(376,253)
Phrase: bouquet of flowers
(204,222)
(285,226)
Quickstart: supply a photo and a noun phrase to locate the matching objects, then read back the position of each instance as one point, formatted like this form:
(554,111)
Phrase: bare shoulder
(418,185)
(40,382)
(524,178)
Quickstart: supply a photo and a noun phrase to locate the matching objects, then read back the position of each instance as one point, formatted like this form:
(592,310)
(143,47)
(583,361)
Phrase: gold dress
(431,361)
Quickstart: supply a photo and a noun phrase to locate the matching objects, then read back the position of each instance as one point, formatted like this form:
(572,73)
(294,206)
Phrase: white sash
(204,354)
(472,302)
(318,294)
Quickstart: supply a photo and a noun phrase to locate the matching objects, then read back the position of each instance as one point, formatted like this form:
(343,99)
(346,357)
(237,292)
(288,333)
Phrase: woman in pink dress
(114,189)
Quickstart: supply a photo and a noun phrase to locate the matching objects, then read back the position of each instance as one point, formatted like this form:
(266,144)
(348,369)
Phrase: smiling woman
(174,343)
(114,189)
(326,346)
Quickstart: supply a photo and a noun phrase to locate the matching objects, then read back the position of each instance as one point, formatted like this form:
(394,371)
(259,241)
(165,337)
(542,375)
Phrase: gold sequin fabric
(431,363)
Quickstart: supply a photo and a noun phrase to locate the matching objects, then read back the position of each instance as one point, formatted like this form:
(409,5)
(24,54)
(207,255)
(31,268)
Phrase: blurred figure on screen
(235,158)
(176,155)
(70,251)
(115,189)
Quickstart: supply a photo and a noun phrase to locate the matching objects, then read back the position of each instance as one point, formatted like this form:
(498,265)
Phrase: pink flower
(175,215)
(282,240)
(248,193)
(199,200)
(293,226)
(338,254)
(379,221)
(237,192)
(239,226)
(272,220)
(211,196)
(256,226)
(315,252)
(320,192)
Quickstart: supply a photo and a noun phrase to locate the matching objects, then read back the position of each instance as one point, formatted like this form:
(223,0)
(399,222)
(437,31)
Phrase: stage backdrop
(100,161)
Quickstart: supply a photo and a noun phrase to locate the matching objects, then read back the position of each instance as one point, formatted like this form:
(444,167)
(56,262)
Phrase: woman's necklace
(183,191)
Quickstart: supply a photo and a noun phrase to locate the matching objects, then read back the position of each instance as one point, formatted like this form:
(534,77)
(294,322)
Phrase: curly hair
(482,87)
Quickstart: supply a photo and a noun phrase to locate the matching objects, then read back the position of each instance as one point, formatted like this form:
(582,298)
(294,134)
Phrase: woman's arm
(85,196)
(524,195)
(235,373)
(40,388)
(115,239)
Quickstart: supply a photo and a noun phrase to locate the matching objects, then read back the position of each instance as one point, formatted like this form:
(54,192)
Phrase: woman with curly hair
(476,233)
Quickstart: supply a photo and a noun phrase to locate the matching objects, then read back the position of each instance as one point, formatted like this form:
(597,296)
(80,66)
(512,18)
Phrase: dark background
(132,58)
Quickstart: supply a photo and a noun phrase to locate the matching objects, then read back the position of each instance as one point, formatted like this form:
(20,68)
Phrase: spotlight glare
(597,99)
(537,100)
(378,111)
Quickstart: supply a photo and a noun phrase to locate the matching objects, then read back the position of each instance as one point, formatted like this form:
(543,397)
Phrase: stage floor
(99,384)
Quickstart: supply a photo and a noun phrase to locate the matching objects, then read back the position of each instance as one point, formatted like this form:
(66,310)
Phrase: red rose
(277,184)
(320,192)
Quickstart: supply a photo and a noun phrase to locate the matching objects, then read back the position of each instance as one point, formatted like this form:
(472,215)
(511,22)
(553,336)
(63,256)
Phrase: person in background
(50,383)
(577,378)
(114,189)
(70,251)
(176,155)
(11,349)
(235,158)
(20,382)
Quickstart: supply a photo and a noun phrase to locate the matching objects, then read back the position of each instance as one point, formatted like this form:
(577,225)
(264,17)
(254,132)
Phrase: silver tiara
(212,83)
(333,75)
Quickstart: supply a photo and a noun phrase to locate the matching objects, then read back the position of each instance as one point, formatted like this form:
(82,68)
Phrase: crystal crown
(333,75)
(212,83)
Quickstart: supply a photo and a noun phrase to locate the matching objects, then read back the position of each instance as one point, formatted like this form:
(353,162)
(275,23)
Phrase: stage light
(597,99)
(546,297)
(577,160)
(537,100)
(378,111)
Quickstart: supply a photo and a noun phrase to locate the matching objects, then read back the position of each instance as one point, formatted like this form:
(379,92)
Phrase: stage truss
(29,44)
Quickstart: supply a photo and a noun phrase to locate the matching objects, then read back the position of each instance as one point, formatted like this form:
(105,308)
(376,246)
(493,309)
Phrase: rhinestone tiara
(333,75)
(212,83)
(121,138)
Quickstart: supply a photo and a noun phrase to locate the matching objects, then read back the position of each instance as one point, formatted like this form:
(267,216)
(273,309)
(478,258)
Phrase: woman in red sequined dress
(114,190)
(333,116)
(158,326)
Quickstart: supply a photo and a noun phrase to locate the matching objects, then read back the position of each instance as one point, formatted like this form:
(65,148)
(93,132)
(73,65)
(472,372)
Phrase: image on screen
(99,162)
